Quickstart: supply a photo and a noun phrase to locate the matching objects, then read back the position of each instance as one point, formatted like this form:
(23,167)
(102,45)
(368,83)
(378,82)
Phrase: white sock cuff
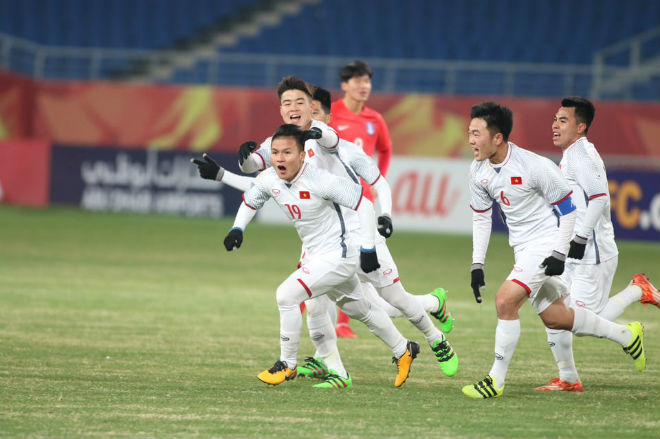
(509,325)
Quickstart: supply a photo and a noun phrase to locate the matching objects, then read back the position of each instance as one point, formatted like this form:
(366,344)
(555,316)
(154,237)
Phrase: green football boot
(313,368)
(636,347)
(446,356)
(334,381)
(444,316)
(483,389)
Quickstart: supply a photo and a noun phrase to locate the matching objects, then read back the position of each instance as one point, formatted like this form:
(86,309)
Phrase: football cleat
(404,362)
(313,368)
(334,381)
(277,374)
(483,389)
(558,385)
(446,356)
(650,294)
(636,347)
(444,316)
(344,331)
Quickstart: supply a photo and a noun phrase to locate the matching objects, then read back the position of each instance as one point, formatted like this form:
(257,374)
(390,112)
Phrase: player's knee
(355,309)
(287,296)
(316,307)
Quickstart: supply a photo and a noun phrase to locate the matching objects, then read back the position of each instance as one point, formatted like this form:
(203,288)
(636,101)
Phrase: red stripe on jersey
(247,203)
(360,200)
(558,202)
(480,211)
(596,196)
(374,182)
(396,280)
(522,285)
(309,293)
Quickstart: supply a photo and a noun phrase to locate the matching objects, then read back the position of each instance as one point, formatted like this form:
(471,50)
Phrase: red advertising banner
(24,172)
(221,118)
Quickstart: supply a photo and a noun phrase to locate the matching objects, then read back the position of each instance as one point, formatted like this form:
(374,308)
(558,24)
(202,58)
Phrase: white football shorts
(387,274)
(327,274)
(590,284)
(543,290)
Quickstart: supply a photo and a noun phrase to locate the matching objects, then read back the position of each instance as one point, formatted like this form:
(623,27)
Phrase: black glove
(385,226)
(554,264)
(312,133)
(578,245)
(245,150)
(477,282)
(234,239)
(369,260)
(209,169)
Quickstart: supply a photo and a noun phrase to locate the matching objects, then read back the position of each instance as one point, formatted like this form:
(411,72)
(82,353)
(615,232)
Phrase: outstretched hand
(208,168)
(312,133)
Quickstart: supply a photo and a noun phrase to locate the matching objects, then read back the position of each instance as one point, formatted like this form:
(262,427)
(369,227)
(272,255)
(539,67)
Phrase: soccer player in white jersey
(310,197)
(435,302)
(534,197)
(593,255)
(327,151)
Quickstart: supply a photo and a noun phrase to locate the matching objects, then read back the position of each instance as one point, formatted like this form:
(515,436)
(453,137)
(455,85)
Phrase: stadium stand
(324,34)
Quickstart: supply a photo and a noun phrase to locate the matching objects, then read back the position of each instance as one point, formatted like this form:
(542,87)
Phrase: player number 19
(294,210)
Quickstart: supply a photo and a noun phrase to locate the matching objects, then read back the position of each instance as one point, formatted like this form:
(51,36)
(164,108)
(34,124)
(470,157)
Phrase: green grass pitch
(115,325)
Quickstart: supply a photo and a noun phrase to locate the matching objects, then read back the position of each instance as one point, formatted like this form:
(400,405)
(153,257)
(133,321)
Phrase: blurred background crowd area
(604,49)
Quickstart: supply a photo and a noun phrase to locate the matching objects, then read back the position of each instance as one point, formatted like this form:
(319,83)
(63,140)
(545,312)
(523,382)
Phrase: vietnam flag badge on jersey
(304,195)
(516,180)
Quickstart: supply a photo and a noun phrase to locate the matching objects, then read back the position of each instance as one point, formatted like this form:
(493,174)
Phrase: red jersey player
(357,123)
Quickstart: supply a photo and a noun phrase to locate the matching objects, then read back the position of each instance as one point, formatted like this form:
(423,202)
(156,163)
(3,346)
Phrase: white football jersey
(526,186)
(582,166)
(347,161)
(312,202)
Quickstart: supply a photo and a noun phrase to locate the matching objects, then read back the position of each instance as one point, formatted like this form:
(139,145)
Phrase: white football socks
(507,335)
(323,335)
(412,310)
(290,327)
(561,345)
(620,301)
(588,323)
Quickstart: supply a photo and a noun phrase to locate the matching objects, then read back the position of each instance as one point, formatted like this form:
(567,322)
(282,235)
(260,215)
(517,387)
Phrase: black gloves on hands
(312,133)
(578,245)
(385,226)
(477,282)
(234,239)
(369,260)
(245,150)
(209,169)
(554,264)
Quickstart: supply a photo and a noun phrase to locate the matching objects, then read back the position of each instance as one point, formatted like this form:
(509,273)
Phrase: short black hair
(353,70)
(292,83)
(323,96)
(584,109)
(499,119)
(290,130)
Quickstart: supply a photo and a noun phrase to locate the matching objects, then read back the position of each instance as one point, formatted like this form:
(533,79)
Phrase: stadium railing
(263,70)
